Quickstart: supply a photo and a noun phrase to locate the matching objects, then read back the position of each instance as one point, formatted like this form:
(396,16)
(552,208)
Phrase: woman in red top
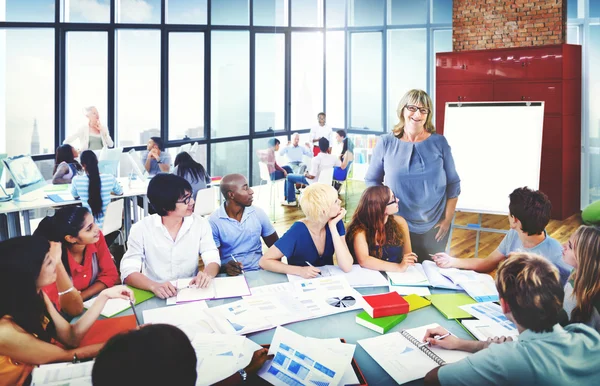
(85,259)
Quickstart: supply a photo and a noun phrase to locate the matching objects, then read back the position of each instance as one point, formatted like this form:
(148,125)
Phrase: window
(86,11)
(229,157)
(407,69)
(29,11)
(186,11)
(307,13)
(229,12)
(307,79)
(199,155)
(442,11)
(335,13)
(146,11)
(406,12)
(336,80)
(87,79)
(27,91)
(442,42)
(270,13)
(594,8)
(138,86)
(366,81)
(230,83)
(366,12)
(186,85)
(269,98)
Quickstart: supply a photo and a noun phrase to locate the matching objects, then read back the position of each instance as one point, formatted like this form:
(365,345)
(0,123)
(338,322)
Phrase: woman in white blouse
(94,136)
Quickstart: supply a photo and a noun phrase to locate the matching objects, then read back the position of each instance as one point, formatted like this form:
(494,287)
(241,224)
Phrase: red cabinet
(548,73)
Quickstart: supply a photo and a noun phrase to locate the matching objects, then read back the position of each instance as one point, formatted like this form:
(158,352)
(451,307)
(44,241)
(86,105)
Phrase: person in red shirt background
(86,266)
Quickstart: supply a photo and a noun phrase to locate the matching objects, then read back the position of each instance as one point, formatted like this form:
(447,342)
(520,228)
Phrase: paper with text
(358,277)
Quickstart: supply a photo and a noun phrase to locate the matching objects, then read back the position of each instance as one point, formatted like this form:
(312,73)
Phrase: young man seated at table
(237,227)
(531,296)
(529,213)
(155,158)
(165,246)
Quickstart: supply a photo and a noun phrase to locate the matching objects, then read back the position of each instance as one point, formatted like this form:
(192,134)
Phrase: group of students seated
(47,276)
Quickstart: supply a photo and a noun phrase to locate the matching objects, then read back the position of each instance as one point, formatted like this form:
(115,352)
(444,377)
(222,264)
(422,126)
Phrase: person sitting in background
(340,174)
(94,189)
(528,215)
(295,152)
(582,291)
(155,158)
(546,354)
(192,171)
(94,135)
(312,242)
(377,237)
(85,258)
(268,156)
(166,355)
(237,227)
(65,166)
(29,323)
(165,246)
(323,161)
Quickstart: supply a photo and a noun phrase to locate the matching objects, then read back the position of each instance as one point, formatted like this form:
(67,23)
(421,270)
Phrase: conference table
(38,200)
(341,325)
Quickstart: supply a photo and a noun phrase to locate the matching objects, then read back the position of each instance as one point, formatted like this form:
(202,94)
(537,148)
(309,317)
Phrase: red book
(378,306)
(102,330)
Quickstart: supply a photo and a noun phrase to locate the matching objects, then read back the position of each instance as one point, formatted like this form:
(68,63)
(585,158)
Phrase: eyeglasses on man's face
(185,200)
(413,108)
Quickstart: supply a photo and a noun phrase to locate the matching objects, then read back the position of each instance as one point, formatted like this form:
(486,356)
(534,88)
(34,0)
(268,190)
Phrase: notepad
(358,277)
(449,304)
(219,288)
(62,197)
(116,306)
(422,275)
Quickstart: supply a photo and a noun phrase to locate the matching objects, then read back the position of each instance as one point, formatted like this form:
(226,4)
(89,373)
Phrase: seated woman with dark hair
(85,258)
(165,246)
(166,355)
(377,237)
(192,171)
(29,323)
(65,166)
(312,242)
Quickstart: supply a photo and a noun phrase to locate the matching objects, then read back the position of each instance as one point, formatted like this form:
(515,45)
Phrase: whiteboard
(497,147)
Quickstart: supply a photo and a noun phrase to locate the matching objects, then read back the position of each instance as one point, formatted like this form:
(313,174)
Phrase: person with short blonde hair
(312,242)
(531,296)
(94,135)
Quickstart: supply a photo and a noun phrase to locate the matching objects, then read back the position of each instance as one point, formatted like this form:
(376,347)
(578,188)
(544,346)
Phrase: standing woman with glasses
(419,168)
(377,237)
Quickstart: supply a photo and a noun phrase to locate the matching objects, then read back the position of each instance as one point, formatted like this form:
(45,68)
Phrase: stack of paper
(219,288)
(63,374)
(357,278)
(308,361)
(479,286)
(189,317)
(491,321)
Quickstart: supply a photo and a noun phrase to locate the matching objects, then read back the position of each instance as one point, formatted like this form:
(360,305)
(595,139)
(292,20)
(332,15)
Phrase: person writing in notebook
(237,227)
(529,213)
(531,296)
(165,246)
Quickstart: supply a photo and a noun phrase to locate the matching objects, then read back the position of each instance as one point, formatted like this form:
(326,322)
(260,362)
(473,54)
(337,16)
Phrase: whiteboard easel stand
(472,227)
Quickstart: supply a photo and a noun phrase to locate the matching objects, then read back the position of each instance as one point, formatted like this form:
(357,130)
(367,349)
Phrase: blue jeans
(278,174)
(290,186)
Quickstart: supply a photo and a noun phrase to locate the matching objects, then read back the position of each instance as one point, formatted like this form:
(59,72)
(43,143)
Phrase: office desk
(335,326)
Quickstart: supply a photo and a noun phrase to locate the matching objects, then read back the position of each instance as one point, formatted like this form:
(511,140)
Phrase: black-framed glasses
(413,108)
(394,200)
(185,200)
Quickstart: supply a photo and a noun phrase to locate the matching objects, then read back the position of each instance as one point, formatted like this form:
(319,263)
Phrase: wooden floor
(463,241)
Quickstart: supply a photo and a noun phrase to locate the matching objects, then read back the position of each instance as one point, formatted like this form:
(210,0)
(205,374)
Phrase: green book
(448,304)
(116,306)
(380,325)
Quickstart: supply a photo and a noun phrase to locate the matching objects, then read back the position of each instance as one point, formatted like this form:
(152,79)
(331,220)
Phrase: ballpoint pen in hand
(437,337)
(318,273)
(234,259)
(137,317)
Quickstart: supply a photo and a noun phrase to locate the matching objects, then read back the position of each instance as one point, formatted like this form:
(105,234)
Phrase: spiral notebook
(402,356)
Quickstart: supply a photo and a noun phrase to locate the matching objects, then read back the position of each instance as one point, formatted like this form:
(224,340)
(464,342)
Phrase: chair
(326,177)
(344,183)
(206,201)
(113,219)
(265,177)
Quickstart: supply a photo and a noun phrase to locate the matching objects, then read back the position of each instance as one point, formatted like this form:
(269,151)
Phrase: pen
(437,337)
(318,273)
(234,259)
(137,317)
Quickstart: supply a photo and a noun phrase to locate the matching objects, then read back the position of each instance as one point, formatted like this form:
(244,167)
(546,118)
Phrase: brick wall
(486,24)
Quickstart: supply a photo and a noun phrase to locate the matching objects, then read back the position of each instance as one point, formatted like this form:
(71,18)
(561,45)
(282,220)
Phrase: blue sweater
(422,175)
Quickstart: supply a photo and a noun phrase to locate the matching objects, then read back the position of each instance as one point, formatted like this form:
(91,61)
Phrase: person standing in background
(93,136)
(320,131)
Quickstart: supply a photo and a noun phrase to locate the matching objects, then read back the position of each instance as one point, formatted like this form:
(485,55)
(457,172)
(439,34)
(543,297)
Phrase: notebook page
(449,356)
(436,279)
(193,293)
(231,286)
(413,276)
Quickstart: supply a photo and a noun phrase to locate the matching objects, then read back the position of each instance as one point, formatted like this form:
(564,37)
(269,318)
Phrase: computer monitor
(108,160)
(25,174)
(3,195)
(137,166)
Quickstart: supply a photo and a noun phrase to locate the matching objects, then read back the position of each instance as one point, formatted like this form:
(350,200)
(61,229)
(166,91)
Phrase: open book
(219,288)
(479,286)
(63,374)
(358,277)
(404,358)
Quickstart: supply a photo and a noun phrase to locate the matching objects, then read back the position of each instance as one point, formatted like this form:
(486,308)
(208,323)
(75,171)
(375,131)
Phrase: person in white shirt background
(165,246)
(93,136)
(320,131)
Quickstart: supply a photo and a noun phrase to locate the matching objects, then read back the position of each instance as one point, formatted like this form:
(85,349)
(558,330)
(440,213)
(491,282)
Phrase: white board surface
(497,147)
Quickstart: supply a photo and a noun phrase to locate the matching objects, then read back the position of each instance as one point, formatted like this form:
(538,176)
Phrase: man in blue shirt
(531,297)
(155,158)
(529,213)
(295,152)
(237,227)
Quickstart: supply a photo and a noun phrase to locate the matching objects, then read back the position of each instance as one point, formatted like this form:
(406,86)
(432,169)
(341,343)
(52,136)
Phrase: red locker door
(549,92)
(449,67)
(477,66)
(544,62)
(509,65)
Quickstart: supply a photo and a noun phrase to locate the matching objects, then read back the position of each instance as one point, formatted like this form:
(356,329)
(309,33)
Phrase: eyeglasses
(413,108)
(394,200)
(185,200)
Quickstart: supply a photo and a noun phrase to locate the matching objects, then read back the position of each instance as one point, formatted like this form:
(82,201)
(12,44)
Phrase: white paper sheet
(483,330)
(336,347)
(112,306)
(436,279)
(408,290)
(189,317)
(413,276)
(217,356)
(64,374)
(479,286)
(358,277)
(492,313)
(219,288)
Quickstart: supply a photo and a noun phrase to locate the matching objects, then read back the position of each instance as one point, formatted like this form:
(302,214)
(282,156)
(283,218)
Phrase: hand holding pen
(234,267)
(440,337)
(310,271)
